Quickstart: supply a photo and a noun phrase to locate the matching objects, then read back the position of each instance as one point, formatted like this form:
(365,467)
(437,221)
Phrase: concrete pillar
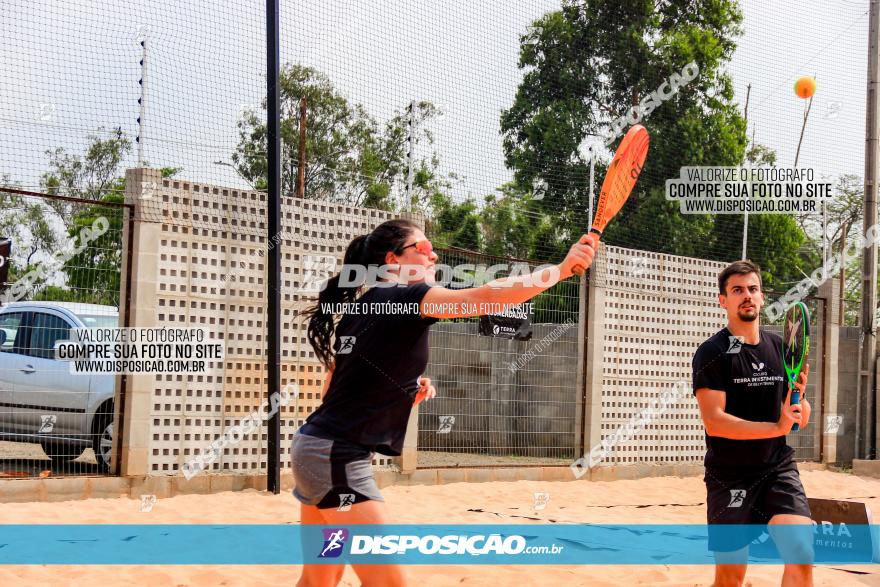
(583,304)
(409,456)
(594,355)
(142,190)
(827,404)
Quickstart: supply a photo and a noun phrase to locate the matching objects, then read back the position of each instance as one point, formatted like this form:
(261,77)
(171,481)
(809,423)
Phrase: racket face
(795,340)
(622,175)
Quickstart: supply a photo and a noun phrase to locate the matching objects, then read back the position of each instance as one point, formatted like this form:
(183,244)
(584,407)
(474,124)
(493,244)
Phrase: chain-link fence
(505,397)
(64,272)
(494,122)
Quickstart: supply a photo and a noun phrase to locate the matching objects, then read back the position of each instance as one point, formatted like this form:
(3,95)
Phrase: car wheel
(102,443)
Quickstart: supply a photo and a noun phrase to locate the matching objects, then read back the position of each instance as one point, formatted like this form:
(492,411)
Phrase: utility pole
(301,168)
(410,144)
(845,230)
(273,263)
(868,351)
(592,180)
(749,166)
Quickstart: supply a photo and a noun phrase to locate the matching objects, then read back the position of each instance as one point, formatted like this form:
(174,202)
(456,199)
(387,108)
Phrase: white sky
(68,68)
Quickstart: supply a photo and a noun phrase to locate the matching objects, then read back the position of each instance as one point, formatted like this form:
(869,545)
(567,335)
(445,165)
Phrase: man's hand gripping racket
(795,348)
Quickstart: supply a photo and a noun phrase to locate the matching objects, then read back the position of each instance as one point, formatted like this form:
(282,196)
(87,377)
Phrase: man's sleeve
(710,368)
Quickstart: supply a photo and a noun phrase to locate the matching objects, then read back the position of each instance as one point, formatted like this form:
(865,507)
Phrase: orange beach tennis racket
(620,179)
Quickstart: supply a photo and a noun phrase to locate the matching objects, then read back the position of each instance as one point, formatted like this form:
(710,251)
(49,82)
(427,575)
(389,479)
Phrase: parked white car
(40,400)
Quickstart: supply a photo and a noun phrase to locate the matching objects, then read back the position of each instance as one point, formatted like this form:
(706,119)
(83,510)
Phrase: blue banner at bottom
(527,544)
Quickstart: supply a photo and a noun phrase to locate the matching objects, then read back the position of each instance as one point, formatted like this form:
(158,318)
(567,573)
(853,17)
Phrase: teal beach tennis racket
(795,346)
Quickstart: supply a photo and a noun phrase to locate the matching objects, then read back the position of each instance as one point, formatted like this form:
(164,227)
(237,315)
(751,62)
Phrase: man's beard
(751,316)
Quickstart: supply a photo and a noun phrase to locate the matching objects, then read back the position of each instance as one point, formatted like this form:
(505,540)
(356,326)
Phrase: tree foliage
(586,66)
(350,157)
(89,176)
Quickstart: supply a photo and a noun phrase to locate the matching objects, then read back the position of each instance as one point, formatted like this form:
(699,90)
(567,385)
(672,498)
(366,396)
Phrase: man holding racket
(740,383)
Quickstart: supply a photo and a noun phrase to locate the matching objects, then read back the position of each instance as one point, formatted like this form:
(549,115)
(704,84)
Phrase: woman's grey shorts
(332,473)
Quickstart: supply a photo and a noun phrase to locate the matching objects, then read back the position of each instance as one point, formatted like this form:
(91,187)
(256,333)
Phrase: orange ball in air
(805,87)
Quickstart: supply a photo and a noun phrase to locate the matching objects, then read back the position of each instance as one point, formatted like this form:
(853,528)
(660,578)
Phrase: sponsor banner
(526,544)
(514,321)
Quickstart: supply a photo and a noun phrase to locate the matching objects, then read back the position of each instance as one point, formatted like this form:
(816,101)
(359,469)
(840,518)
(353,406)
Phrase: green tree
(95,273)
(779,246)
(349,156)
(845,222)
(514,224)
(27,222)
(90,176)
(454,224)
(92,275)
(586,66)
(776,242)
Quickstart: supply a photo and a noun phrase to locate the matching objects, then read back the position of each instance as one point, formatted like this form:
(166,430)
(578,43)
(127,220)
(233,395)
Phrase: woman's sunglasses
(424,247)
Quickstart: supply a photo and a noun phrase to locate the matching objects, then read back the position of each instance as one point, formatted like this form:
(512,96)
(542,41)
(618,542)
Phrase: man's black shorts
(751,500)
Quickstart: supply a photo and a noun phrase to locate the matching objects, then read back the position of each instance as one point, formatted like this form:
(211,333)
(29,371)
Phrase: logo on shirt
(346,500)
(736,343)
(334,541)
(737,497)
(759,378)
(346,345)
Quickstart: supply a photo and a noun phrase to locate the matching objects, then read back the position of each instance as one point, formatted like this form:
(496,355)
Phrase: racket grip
(795,399)
(580,270)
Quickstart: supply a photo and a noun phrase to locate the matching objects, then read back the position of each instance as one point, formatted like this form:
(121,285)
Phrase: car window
(100,320)
(10,324)
(45,330)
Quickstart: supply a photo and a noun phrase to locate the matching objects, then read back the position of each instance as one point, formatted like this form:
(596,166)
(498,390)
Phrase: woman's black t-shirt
(754,381)
(381,351)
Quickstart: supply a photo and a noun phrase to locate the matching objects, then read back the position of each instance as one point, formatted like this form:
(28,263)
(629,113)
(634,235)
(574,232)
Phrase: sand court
(673,500)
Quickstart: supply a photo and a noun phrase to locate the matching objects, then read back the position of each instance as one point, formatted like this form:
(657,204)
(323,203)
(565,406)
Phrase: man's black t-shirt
(753,377)
(379,357)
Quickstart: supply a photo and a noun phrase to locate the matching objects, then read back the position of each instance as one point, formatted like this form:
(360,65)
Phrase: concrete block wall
(202,264)
(654,310)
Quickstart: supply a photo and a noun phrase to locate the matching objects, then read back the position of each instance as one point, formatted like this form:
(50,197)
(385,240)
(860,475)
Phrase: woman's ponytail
(365,250)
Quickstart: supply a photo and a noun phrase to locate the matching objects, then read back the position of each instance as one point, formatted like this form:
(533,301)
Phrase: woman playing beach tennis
(375,356)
